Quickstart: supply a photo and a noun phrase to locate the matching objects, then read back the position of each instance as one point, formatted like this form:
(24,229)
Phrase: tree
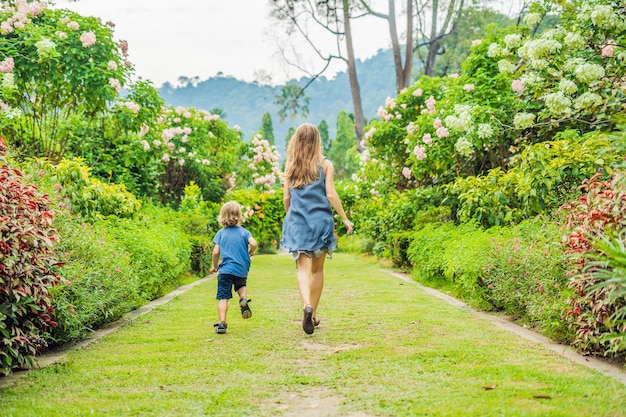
(472,23)
(267,129)
(323,129)
(290,133)
(334,17)
(339,152)
(439,18)
(403,70)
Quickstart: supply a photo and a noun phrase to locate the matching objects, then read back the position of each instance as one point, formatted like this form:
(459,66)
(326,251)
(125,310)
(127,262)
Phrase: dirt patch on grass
(315,402)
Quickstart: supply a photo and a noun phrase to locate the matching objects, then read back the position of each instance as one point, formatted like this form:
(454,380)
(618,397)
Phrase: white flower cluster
(557,103)
(462,122)
(464,147)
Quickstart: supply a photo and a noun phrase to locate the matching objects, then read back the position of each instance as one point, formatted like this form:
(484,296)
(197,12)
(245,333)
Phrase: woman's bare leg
(303,277)
(317,282)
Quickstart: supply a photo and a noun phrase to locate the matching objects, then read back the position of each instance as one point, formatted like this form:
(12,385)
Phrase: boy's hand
(213,270)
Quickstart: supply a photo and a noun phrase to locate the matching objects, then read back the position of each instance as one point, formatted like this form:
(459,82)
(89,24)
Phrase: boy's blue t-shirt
(233,241)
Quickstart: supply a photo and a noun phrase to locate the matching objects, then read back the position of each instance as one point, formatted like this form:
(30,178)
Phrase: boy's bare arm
(253,245)
(215,257)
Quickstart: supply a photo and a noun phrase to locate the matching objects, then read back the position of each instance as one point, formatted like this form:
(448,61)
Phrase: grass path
(384,348)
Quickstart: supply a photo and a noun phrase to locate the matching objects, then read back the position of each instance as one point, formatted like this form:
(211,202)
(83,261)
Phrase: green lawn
(384,348)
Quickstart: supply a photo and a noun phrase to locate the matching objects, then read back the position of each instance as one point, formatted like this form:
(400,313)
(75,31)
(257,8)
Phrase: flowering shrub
(192,145)
(263,214)
(596,217)
(516,88)
(59,69)
(263,170)
(27,263)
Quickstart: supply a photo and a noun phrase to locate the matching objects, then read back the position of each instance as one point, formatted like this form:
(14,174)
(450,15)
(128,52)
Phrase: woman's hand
(349,225)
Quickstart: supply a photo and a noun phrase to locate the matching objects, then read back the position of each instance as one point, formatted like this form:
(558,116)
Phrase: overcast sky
(168,38)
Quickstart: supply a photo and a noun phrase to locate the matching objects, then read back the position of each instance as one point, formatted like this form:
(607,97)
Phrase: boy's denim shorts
(226,283)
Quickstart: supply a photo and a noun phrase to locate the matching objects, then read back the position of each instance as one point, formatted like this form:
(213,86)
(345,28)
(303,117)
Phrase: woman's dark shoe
(307,320)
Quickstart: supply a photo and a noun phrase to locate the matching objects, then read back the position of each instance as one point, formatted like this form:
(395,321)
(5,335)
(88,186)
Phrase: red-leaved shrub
(599,214)
(26,269)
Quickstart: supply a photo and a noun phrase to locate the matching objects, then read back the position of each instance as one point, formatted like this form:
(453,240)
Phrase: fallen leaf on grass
(542,396)
(489,387)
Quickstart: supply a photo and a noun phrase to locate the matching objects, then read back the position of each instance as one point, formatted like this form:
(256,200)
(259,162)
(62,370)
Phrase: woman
(308,227)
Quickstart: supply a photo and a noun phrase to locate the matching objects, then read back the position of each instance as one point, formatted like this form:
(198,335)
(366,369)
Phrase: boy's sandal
(316,321)
(246,313)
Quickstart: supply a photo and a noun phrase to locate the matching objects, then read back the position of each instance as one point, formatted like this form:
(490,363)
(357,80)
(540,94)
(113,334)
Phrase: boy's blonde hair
(304,156)
(230,214)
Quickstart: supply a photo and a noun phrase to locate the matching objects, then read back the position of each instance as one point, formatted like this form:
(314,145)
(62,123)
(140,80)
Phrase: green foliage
(377,217)
(518,87)
(472,23)
(526,278)
(520,270)
(115,266)
(199,219)
(83,193)
(545,175)
(263,214)
(607,268)
(27,269)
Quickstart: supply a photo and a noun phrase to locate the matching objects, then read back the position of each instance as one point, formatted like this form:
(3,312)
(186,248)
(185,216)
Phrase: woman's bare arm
(332,196)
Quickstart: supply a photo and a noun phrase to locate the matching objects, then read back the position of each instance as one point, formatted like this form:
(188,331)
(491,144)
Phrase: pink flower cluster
(517,86)
(132,106)
(7,65)
(406,172)
(22,12)
(88,39)
(115,83)
(440,131)
(430,104)
(419,152)
(263,151)
(607,50)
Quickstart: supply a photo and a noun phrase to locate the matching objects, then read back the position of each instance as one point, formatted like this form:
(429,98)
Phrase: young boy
(236,246)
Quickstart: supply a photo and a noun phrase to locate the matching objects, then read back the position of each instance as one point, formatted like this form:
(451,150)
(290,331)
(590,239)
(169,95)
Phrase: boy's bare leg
(222,309)
(243,292)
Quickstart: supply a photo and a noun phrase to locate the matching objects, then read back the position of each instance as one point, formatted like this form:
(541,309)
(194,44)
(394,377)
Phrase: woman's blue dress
(309,224)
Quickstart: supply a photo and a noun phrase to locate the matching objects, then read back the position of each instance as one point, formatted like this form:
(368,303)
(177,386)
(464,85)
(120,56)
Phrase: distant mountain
(245,103)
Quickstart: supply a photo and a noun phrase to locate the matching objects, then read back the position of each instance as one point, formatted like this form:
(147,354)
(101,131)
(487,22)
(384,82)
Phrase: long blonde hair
(304,156)
(230,214)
